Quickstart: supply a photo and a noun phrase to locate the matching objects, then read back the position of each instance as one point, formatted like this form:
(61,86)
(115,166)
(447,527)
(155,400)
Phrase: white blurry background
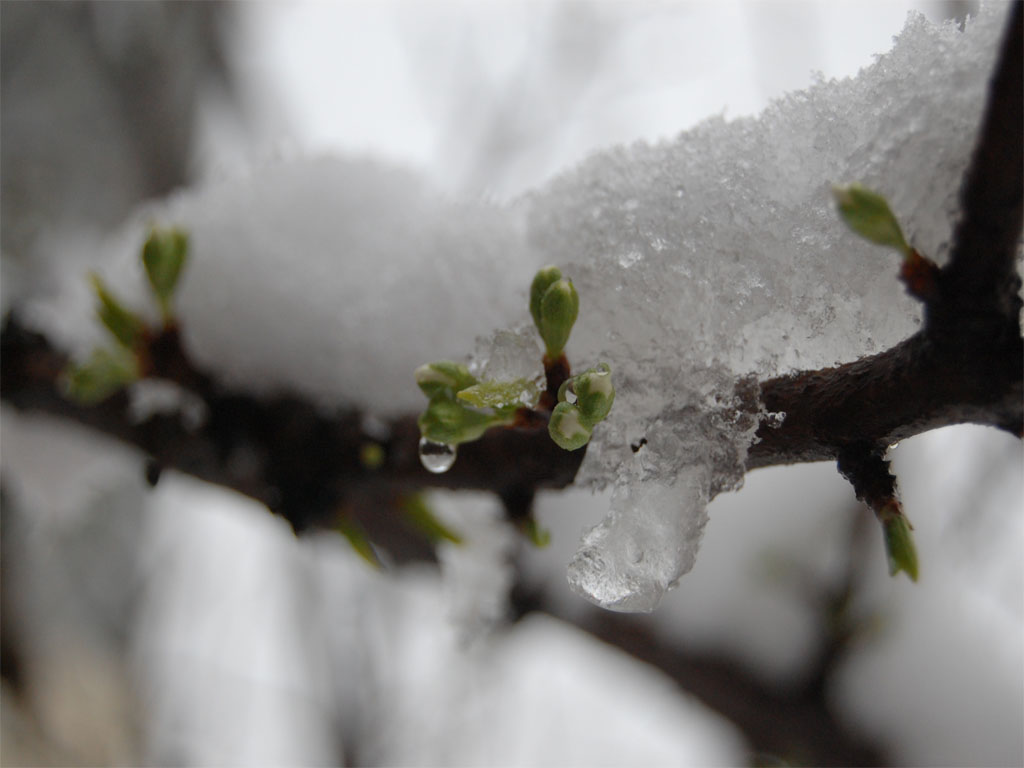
(186,626)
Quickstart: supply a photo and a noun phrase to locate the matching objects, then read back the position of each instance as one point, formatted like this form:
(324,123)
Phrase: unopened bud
(558,311)
(567,429)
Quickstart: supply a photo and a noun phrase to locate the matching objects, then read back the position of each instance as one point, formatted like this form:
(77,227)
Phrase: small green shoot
(554,305)
(583,402)
(360,542)
(125,326)
(501,394)
(868,214)
(899,542)
(105,372)
(164,255)
(422,517)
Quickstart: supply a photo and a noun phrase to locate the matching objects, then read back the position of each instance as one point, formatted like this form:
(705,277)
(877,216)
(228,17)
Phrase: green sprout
(164,256)
(868,214)
(125,326)
(106,371)
(451,418)
(583,401)
(899,541)
(554,305)
(461,408)
(109,369)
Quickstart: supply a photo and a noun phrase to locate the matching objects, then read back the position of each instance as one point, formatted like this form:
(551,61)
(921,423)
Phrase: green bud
(501,394)
(595,393)
(359,540)
(371,455)
(106,371)
(123,324)
(422,517)
(541,282)
(558,311)
(539,537)
(163,256)
(447,421)
(867,213)
(567,428)
(443,378)
(899,542)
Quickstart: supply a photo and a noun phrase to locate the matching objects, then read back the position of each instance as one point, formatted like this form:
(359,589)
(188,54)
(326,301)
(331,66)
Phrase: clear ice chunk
(648,540)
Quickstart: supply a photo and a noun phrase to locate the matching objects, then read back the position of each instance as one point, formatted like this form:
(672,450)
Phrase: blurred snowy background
(185,625)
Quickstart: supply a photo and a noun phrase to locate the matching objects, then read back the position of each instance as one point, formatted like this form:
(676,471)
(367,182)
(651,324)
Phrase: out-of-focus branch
(301,463)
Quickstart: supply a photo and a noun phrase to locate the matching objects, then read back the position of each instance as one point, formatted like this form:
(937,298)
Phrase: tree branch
(965,365)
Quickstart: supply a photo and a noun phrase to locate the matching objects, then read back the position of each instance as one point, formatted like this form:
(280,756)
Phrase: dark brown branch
(981,275)
(302,464)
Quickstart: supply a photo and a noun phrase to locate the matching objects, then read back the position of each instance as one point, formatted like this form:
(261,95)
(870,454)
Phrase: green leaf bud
(541,282)
(106,372)
(359,540)
(595,393)
(539,537)
(372,455)
(867,213)
(443,378)
(123,324)
(501,394)
(567,428)
(422,517)
(899,542)
(558,311)
(450,422)
(163,256)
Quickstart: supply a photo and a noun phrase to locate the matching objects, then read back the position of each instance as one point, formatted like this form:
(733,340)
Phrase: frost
(701,263)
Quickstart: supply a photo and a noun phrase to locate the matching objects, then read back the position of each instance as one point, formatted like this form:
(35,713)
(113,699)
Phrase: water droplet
(436,457)
(570,394)
(894,446)
(775,419)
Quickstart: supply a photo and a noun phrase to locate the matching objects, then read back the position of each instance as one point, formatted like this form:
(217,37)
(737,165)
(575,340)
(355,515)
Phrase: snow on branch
(712,274)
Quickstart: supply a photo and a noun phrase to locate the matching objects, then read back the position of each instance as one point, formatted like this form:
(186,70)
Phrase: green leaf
(106,372)
(360,542)
(443,378)
(422,517)
(567,429)
(899,542)
(500,394)
(124,325)
(447,421)
(539,537)
(559,309)
(543,280)
(868,214)
(164,255)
